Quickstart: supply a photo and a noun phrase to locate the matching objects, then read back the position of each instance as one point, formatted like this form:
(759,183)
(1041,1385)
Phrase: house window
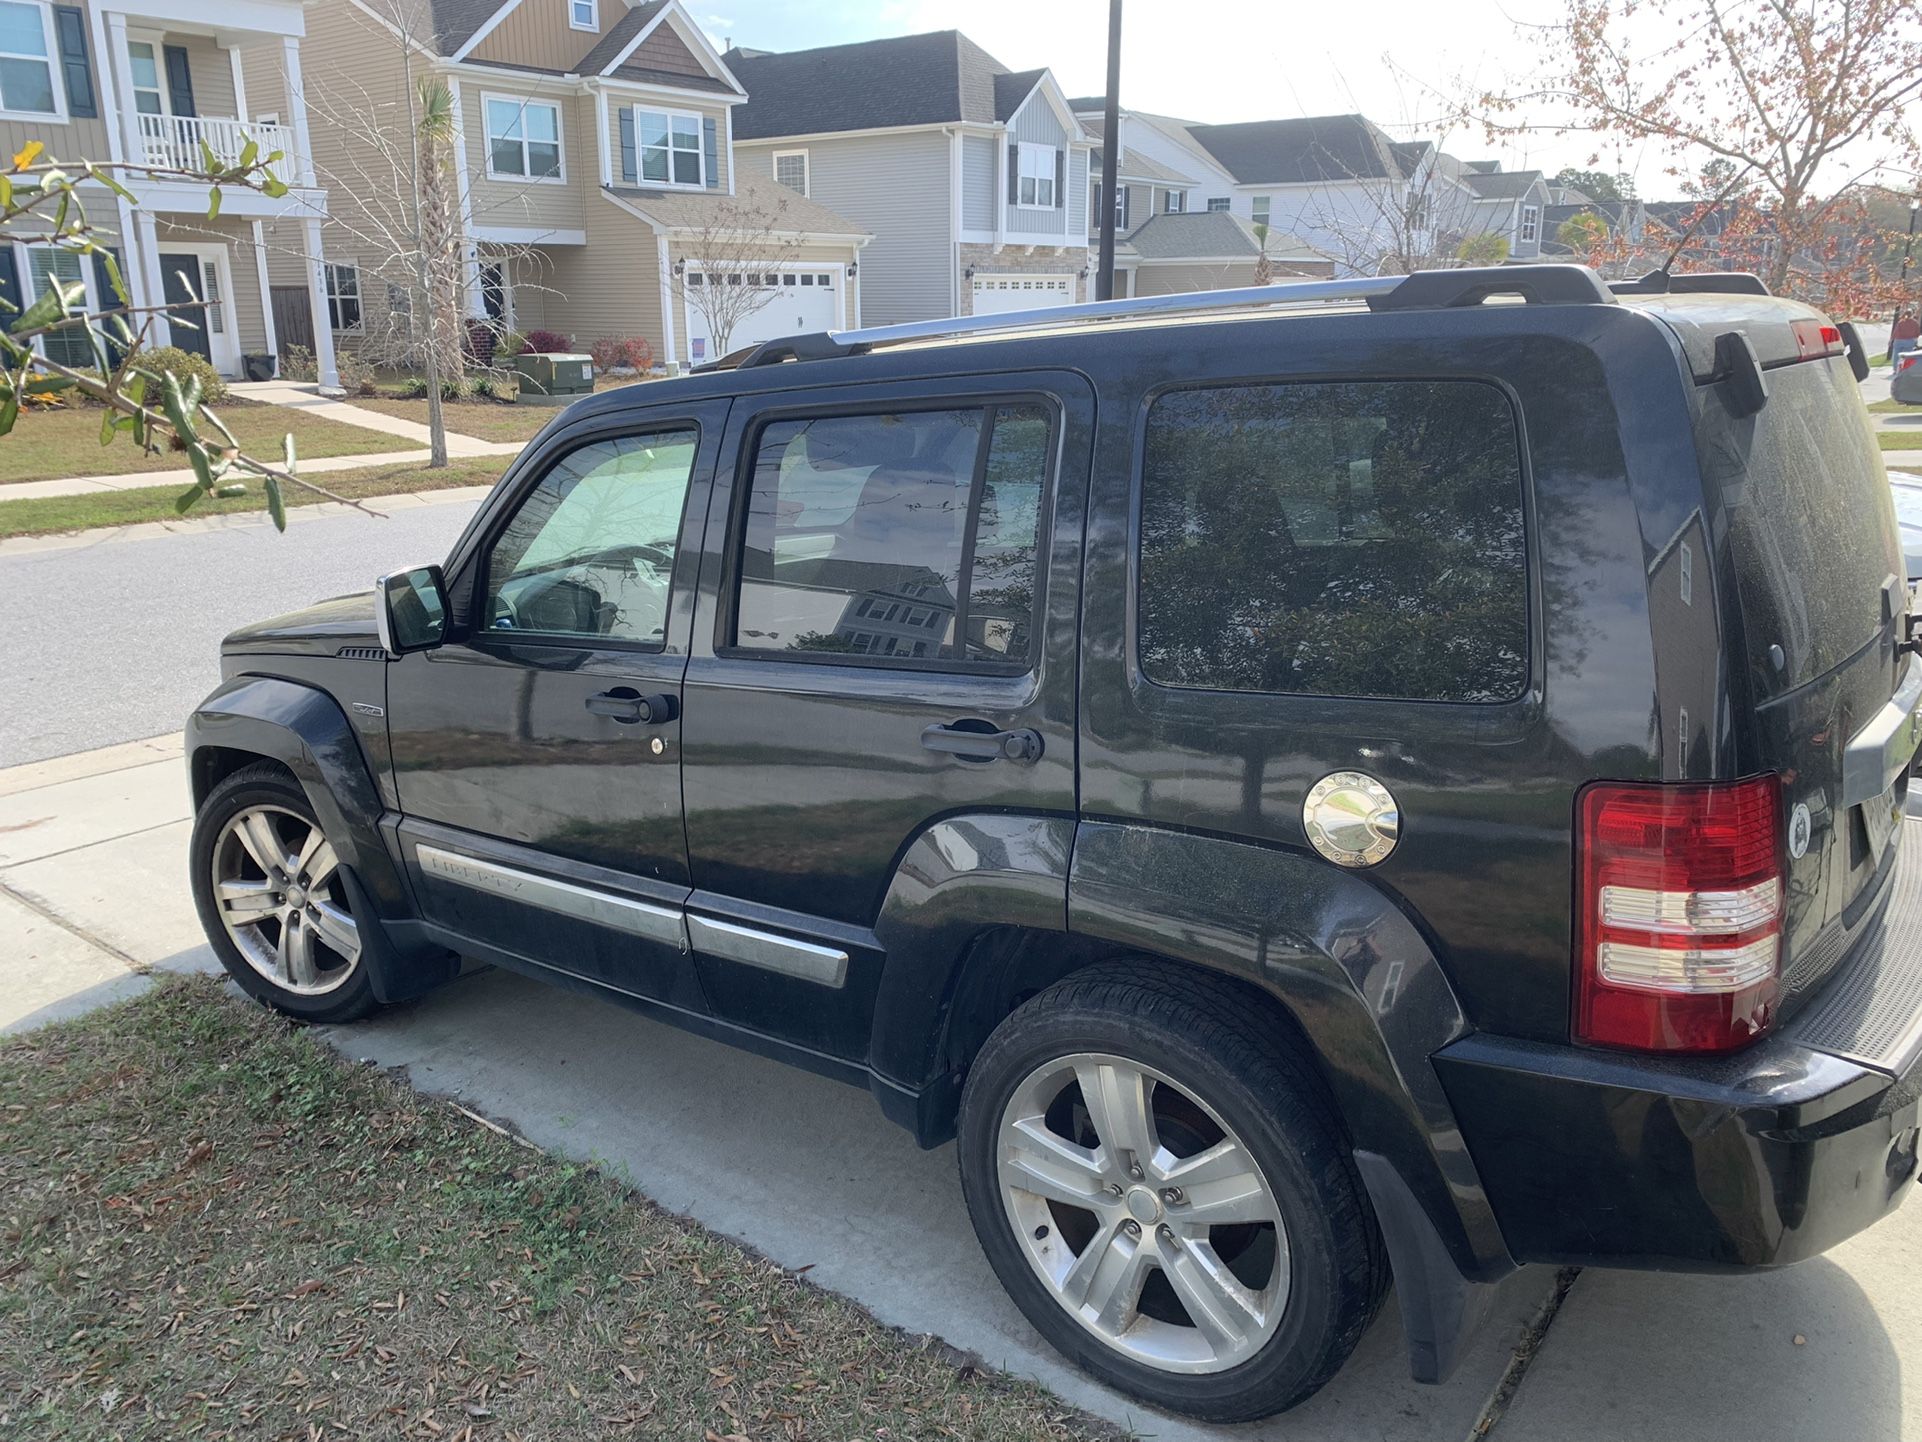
(670,147)
(343,297)
(1261,209)
(584,14)
(523,139)
(26,63)
(1174,202)
(1120,205)
(791,170)
(70,346)
(1217,202)
(1037,176)
(144,62)
(1531,224)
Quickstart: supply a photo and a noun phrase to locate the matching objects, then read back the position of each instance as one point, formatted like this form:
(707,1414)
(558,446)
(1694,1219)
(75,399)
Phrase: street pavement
(116,635)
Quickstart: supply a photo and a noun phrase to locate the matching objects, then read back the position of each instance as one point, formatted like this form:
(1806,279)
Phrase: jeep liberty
(1310,787)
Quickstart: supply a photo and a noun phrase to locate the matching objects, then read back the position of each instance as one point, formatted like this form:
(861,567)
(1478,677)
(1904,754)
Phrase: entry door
(537,755)
(886,639)
(180,275)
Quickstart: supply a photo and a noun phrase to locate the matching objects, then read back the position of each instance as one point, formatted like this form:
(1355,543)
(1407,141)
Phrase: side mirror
(410,608)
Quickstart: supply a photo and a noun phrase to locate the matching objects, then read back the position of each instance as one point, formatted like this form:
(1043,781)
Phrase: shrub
(356,375)
(510,343)
(415,389)
(612,353)
(299,364)
(541,342)
(172,360)
(491,387)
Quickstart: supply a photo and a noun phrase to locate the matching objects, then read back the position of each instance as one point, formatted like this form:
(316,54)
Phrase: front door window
(590,552)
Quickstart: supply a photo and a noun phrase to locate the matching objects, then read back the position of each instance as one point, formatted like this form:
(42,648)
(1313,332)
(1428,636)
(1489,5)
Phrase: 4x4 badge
(1351,819)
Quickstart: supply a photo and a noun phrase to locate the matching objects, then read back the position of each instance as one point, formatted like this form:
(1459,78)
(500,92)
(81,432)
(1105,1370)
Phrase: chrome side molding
(670,925)
(620,913)
(823,965)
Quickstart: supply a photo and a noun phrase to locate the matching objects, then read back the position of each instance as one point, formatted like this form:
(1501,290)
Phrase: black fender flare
(958,876)
(304,729)
(1375,1003)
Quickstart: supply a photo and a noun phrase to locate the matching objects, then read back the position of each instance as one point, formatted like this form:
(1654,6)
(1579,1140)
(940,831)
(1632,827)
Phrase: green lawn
(1889,408)
(216,1227)
(45,445)
(484,420)
(43,516)
(1904,440)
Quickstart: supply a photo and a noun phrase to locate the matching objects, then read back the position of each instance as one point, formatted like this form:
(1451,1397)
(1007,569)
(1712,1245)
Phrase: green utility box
(548,379)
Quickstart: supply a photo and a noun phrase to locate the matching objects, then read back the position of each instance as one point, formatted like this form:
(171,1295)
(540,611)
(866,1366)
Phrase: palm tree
(1264,267)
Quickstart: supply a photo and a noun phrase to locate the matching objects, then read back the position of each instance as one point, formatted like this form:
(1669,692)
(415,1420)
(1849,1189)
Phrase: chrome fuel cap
(1351,819)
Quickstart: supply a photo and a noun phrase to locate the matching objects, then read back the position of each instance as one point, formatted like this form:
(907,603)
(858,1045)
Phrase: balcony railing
(176,140)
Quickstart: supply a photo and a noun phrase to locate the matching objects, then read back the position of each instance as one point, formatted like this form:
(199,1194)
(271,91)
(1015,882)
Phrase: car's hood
(321,629)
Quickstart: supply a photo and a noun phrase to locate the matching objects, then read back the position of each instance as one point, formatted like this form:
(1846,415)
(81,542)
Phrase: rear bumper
(1759,1159)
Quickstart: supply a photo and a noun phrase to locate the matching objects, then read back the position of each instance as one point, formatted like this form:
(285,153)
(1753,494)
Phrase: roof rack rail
(1536,284)
(1718,282)
(1471,285)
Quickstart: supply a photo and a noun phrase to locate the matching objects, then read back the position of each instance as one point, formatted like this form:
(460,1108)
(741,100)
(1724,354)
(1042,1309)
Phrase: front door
(180,275)
(886,639)
(537,755)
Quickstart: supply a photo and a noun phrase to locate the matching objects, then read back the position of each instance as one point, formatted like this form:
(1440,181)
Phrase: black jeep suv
(1310,785)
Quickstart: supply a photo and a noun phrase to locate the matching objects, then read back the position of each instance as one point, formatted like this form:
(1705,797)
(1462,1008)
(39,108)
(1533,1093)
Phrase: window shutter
(630,167)
(180,82)
(70,25)
(1121,221)
(1060,179)
(109,302)
(1014,172)
(10,288)
(711,153)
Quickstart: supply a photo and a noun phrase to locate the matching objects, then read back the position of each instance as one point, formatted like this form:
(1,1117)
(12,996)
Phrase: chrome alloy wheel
(1143,1213)
(277,883)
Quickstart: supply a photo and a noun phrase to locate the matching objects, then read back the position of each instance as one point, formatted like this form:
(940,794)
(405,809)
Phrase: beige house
(594,168)
(150,82)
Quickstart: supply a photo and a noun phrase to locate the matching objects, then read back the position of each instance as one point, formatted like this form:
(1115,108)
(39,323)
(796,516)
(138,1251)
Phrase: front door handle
(971,745)
(630,708)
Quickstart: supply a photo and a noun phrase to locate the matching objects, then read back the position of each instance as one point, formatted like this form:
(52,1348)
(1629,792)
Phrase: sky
(1229,60)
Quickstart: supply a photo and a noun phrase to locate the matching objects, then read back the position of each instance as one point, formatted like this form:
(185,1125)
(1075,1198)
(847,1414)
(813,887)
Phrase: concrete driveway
(93,895)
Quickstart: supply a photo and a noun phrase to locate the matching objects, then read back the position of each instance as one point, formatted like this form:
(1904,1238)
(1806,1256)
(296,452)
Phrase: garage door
(994,294)
(802,301)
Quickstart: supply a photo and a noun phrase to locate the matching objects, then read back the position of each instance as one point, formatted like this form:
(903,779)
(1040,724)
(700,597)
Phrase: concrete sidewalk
(93,896)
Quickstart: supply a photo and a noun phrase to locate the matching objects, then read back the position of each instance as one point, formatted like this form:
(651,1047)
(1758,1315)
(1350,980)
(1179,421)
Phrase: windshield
(1810,521)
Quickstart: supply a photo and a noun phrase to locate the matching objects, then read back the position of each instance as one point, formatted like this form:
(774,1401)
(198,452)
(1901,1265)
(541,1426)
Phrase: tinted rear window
(1360,538)
(1810,520)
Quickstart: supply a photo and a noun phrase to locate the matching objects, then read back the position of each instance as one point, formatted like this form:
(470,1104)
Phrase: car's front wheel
(1163,1190)
(273,900)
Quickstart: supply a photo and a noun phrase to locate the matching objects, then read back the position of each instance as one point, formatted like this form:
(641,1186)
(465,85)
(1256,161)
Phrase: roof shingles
(1301,151)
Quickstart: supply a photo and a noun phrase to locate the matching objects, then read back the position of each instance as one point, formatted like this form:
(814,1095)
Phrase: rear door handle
(630,708)
(1023,746)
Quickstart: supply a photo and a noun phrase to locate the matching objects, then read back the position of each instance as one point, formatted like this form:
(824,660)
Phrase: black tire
(1204,1036)
(264,784)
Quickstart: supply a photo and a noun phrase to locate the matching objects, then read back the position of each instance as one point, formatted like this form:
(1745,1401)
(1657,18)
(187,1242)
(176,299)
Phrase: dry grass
(215,1227)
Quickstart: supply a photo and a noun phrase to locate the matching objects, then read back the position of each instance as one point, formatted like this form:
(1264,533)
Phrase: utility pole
(1111,156)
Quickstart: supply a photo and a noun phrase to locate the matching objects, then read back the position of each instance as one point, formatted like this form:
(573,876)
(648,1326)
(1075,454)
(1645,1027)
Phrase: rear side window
(1360,538)
(899,538)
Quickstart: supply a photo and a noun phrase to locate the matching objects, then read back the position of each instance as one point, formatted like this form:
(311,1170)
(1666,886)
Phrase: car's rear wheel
(273,899)
(1162,1188)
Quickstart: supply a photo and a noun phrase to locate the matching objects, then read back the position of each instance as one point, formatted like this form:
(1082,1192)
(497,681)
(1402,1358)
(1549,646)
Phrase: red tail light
(1678,932)
(1816,338)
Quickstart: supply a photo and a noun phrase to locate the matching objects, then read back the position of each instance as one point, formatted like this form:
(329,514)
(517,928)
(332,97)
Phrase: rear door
(886,637)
